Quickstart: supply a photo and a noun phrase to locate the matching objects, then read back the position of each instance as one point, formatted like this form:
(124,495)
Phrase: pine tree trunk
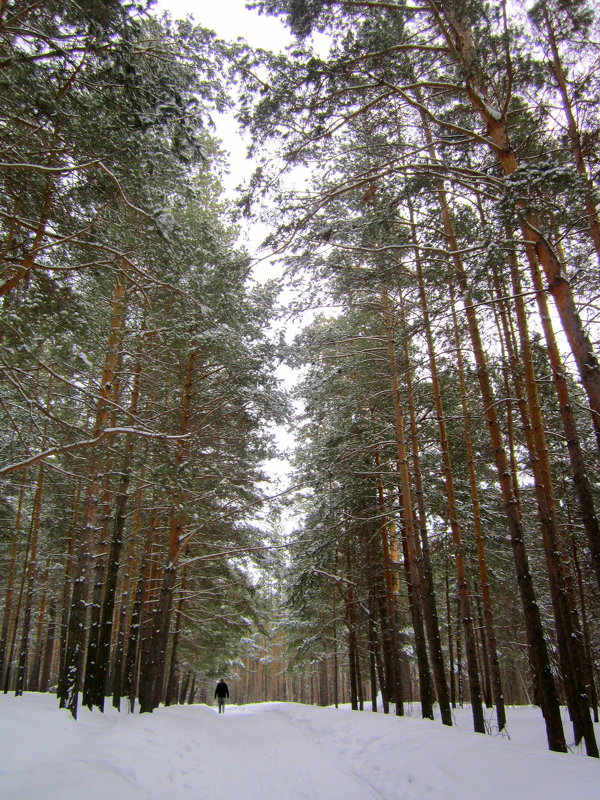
(461,572)
(66,593)
(129,610)
(72,667)
(185,686)
(372,639)
(169,699)
(484,661)
(402,455)
(99,687)
(33,681)
(8,597)
(323,683)
(450,629)
(581,480)
(152,683)
(490,629)
(152,676)
(31,570)
(371,576)
(90,694)
(48,657)
(535,634)
(8,676)
(430,612)
(336,686)
(140,634)
(96,666)
(359,680)
(569,636)
(117,669)
(538,647)
(460,689)
(21,681)
(413,585)
(105,621)
(386,678)
(351,624)
(592,693)
(191,696)
(413,557)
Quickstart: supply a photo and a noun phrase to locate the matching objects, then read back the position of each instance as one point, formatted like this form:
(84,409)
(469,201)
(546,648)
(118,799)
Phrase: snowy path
(246,754)
(269,756)
(271,751)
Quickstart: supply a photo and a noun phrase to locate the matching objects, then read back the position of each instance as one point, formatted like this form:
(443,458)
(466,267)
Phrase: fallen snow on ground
(276,751)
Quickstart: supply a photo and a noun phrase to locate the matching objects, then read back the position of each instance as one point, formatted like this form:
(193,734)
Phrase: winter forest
(427,174)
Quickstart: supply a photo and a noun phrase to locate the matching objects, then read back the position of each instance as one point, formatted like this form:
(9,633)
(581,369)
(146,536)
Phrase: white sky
(230,19)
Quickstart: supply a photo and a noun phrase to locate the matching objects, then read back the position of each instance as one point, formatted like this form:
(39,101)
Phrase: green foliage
(111,178)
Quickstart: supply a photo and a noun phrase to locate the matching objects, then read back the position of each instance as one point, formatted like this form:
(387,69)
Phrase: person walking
(221,692)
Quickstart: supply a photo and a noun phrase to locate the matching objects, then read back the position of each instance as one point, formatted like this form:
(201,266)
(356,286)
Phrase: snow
(491,110)
(276,751)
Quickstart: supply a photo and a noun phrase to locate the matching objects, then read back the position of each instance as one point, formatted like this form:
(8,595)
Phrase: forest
(429,175)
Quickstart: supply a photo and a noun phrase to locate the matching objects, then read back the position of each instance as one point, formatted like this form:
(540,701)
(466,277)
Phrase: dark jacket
(222,689)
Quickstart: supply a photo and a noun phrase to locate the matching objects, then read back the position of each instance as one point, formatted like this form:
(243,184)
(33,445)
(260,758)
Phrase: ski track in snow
(270,751)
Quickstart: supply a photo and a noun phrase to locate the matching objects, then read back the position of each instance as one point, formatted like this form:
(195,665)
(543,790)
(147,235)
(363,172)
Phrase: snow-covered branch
(67,448)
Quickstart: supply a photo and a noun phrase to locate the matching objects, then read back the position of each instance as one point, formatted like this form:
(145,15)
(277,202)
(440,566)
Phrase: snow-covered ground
(276,751)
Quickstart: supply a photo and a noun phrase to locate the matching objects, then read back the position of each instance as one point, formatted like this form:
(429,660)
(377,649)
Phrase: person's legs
(221,705)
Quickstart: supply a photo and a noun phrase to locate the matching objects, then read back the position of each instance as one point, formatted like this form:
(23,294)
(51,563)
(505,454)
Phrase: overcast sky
(230,19)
